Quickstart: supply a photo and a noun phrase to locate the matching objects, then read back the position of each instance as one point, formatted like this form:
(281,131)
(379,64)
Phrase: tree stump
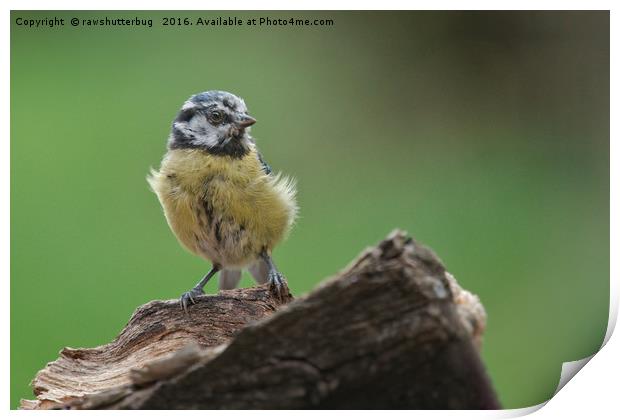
(392,330)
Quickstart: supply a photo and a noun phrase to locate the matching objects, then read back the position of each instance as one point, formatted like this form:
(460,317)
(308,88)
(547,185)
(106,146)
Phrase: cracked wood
(393,330)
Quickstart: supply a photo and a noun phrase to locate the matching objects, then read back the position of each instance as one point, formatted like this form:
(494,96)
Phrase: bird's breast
(224,209)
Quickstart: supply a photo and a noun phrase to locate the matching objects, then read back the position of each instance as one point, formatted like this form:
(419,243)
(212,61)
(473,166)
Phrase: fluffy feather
(221,208)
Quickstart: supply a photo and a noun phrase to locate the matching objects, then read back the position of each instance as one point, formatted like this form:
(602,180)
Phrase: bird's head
(215,121)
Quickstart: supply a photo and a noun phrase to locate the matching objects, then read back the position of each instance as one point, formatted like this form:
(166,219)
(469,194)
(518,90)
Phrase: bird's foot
(188,298)
(278,285)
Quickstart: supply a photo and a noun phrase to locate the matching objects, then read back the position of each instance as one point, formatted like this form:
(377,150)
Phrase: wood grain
(392,330)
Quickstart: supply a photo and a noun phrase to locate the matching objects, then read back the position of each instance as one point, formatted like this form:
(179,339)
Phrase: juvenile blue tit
(219,196)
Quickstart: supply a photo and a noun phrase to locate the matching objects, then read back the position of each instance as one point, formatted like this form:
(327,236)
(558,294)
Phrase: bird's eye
(216,116)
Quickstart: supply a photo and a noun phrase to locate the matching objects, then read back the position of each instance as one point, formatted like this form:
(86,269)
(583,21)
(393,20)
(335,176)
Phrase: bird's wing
(260,271)
(229,279)
(265,165)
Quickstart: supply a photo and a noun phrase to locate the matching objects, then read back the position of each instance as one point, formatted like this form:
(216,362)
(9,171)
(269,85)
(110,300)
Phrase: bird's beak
(245,121)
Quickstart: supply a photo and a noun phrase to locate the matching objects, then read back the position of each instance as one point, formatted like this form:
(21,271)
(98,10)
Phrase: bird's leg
(187,298)
(277,282)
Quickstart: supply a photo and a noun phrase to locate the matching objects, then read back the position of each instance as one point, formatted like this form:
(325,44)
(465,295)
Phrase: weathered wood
(393,330)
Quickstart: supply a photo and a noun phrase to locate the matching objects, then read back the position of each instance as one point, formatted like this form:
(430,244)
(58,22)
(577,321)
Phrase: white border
(592,392)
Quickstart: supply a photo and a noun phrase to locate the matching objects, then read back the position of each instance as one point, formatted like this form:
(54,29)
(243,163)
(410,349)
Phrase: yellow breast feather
(222,208)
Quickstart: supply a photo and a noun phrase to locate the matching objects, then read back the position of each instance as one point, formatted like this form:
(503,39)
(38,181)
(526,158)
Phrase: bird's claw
(188,298)
(278,286)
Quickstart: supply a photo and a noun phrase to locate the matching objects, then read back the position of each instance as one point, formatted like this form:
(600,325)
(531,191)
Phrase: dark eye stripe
(217,116)
(185,115)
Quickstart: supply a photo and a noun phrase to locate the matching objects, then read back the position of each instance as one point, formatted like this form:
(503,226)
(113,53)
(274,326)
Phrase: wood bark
(392,330)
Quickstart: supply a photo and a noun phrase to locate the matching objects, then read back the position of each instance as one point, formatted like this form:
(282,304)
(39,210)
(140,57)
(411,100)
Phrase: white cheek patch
(196,129)
(198,124)
(181,126)
(208,140)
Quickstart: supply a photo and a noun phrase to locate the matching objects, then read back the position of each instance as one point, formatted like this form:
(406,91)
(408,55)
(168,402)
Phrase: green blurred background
(485,135)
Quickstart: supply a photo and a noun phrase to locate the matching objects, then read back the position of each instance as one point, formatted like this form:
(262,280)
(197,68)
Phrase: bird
(219,196)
